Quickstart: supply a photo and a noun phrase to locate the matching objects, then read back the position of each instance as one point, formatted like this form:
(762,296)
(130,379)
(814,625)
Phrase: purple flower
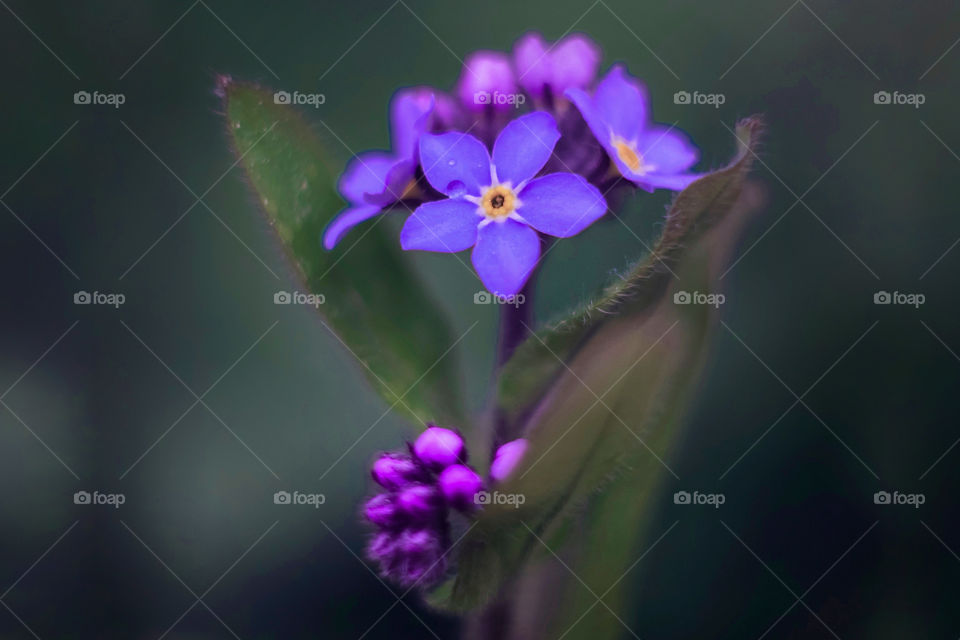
(548,71)
(506,459)
(485,76)
(649,155)
(376,179)
(497,207)
(438,448)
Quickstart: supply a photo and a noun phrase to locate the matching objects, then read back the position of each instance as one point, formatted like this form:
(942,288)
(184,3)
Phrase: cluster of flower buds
(420,488)
(411,515)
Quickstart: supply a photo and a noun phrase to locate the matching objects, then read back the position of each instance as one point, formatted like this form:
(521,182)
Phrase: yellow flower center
(628,154)
(412,190)
(498,202)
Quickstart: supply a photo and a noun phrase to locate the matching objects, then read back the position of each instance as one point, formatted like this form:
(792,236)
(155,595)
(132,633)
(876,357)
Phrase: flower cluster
(527,145)
(420,488)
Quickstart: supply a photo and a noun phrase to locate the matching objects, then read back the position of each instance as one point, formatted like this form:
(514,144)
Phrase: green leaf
(601,394)
(373,300)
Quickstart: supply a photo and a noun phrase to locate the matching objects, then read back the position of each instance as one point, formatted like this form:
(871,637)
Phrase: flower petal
(394,185)
(672,181)
(561,204)
(446,226)
(592,116)
(524,146)
(366,173)
(410,111)
(622,103)
(455,163)
(505,256)
(346,220)
(667,150)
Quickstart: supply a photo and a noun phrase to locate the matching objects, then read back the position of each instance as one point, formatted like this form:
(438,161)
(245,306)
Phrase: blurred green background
(103,209)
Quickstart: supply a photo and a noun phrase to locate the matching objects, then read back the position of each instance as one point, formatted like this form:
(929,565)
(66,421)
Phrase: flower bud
(420,557)
(571,63)
(383,550)
(394,471)
(531,57)
(485,76)
(382,511)
(421,503)
(459,484)
(438,448)
(506,459)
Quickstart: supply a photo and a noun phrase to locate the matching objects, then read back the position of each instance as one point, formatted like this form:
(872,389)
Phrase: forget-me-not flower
(375,179)
(651,156)
(497,207)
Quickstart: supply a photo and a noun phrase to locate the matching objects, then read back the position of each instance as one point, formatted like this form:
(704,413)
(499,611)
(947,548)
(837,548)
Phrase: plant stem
(516,321)
(489,623)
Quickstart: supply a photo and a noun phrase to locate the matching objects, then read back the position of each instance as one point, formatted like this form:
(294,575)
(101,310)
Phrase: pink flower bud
(382,511)
(421,503)
(438,448)
(486,75)
(459,484)
(506,459)
(394,471)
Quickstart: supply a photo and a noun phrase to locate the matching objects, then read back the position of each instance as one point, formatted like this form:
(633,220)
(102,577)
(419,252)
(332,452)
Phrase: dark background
(879,189)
